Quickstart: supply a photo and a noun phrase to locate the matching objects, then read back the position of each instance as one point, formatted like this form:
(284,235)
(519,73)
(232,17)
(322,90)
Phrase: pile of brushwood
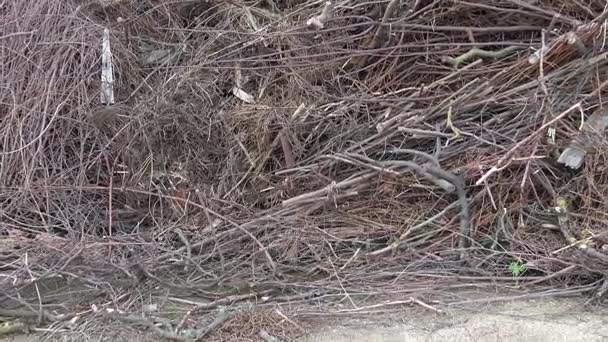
(247,167)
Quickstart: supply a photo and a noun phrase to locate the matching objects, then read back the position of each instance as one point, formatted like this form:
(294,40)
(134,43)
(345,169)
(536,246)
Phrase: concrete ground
(550,320)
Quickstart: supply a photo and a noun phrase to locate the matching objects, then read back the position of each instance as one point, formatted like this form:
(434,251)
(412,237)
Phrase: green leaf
(516,268)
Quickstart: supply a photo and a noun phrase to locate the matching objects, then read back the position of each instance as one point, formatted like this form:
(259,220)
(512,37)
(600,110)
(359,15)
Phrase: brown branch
(465,219)
(147,322)
(395,244)
(382,32)
(506,157)
(290,161)
(219,320)
(222,301)
(43,314)
(212,305)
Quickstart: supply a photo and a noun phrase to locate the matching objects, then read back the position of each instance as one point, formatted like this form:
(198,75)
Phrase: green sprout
(516,268)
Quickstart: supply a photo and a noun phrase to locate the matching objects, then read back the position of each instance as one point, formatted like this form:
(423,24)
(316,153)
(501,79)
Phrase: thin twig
(219,320)
(499,164)
(397,243)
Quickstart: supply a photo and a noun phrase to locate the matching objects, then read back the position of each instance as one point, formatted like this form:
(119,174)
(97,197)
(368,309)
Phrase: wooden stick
(507,156)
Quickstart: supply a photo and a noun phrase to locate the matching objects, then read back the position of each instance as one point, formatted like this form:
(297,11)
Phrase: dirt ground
(552,320)
(539,320)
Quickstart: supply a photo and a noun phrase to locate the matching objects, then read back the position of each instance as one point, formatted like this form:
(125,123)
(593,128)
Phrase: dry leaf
(242,95)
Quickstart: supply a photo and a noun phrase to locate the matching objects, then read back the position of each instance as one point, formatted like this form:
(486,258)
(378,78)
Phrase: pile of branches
(297,151)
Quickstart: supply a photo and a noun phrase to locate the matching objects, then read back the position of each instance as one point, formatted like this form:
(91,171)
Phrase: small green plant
(516,268)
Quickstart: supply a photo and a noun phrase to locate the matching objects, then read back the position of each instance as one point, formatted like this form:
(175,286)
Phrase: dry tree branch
(444,184)
(16,34)
(531,295)
(574,154)
(555,15)
(198,307)
(399,302)
(395,244)
(59,183)
(9,328)
(323,192)
(442,178)
(318,22)
(222,316)
(264,335)
(573,39)
(507,156)
(475,53)
(150,323)
(262,248)
(465,218)
(219,320)
(41,316)
(382,32)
